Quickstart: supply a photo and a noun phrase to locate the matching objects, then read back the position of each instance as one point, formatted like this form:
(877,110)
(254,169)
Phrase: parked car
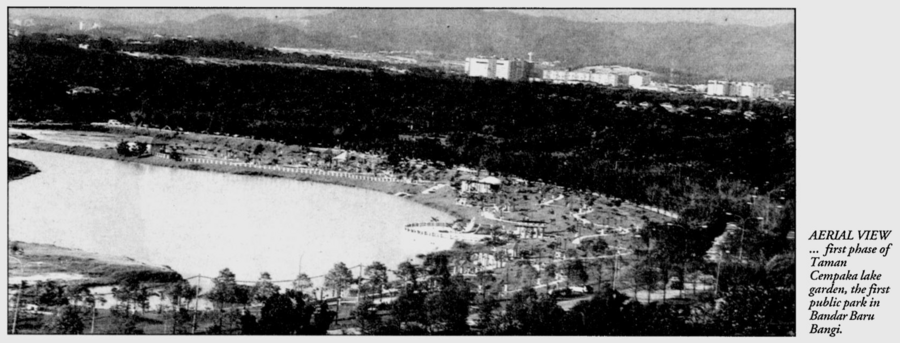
(584,289)
(560,292)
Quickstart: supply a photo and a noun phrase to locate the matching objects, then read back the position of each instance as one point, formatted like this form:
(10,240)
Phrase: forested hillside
(574,136)
(734,51)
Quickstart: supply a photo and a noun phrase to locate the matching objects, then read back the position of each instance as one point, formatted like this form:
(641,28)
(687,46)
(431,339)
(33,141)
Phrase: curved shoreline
(110,154)
(401,250)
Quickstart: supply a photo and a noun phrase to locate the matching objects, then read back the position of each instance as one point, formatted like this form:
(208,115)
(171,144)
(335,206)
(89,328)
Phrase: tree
(601,315)
(50,294)
(225,289)
(598,246)
(780,271)
(137,117)
(644,273)
(675,247)
(122,323)
(408,310)
(487,315)
(281,315)
(122,149)
(264,288)
(448,308)
(437,265)
(302,283)
(132,294)
(367,317)
(338,279)
(528,313)
(243,295)
(756,311)
(485,279)
(249,325)
(180,293)
(180,319)
(258,149)
(67,321)
(527,274)
(91,301)
(322,318)
(376,275)
(576,272)
(550,271)
(408,272)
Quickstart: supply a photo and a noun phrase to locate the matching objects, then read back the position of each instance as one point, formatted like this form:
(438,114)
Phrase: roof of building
(491,180)
(467,177)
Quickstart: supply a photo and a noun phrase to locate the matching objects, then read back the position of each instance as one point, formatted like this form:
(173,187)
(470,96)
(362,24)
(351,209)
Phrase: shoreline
(389,188)
(111,154)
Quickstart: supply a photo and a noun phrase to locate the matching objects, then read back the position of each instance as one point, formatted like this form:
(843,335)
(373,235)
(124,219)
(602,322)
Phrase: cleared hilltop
(34,262)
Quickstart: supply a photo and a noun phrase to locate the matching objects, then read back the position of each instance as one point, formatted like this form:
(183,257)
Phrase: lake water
(201,222)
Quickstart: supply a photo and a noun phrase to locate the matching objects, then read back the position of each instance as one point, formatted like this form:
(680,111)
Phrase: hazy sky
(746,17)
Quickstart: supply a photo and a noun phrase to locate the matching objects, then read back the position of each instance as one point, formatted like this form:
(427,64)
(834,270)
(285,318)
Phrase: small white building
(638,80)
(716,87)
(623,104)
(485,185)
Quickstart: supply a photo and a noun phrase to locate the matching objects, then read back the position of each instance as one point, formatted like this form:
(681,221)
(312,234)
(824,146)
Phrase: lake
(201,222)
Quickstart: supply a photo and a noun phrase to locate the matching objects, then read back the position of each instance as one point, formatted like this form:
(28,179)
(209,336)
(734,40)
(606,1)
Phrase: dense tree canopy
(647,155)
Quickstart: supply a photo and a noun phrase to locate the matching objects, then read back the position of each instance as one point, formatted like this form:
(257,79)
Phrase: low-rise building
(716,87)
(638,80)
(485,185)
(151,145)
(498,68)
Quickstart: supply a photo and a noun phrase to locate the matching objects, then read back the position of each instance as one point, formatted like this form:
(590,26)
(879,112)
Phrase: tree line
(574,136)
(431,301)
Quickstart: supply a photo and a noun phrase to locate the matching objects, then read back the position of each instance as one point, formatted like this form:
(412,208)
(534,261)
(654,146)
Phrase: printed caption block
(842,287)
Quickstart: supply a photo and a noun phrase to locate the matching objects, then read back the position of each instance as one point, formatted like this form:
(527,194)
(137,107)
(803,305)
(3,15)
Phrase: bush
(122,149)
(68,321)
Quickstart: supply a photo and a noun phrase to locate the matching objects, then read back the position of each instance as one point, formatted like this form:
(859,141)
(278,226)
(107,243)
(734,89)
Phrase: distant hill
(733,51)
(701,51)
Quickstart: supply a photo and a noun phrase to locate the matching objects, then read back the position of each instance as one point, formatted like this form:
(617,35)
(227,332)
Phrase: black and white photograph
(504,171)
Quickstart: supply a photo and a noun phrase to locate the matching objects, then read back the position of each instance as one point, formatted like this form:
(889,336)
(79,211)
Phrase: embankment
(32,262)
